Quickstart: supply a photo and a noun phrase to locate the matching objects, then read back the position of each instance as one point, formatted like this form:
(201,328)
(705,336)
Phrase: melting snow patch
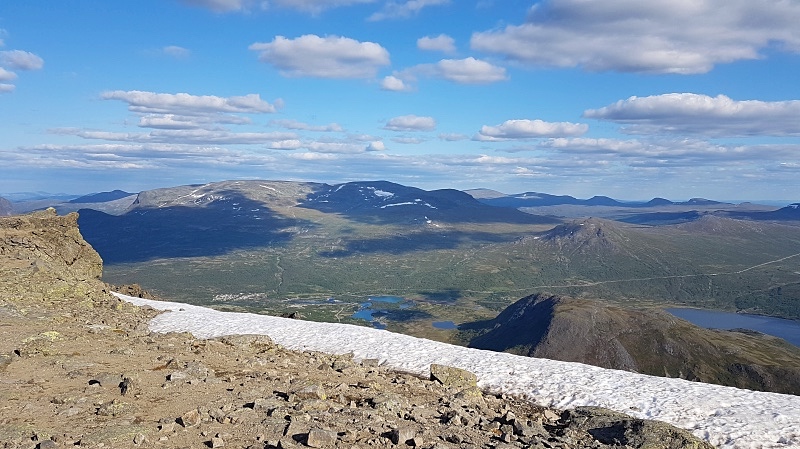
(727,417)
(381,193)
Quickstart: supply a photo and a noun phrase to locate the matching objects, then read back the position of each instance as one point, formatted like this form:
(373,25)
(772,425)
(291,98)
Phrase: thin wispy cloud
(411,123)
(405,9)
(176,52)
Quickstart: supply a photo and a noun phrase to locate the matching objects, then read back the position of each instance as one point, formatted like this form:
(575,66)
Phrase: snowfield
(726,417)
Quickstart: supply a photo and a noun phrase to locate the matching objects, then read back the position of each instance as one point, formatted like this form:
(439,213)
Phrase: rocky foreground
(79,368)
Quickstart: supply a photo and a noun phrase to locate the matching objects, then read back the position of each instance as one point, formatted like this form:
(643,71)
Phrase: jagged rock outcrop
(43,256)
(647,341)
(81,369)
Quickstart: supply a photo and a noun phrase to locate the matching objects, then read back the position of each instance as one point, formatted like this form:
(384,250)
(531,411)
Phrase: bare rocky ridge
(79,368)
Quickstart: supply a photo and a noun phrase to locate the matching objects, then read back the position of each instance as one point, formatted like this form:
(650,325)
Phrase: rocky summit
(79,368)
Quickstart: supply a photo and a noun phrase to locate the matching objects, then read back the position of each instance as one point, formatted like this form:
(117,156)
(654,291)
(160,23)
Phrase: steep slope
(647,341)
(6,208)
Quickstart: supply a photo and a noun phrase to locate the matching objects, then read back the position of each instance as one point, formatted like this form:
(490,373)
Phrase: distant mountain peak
(584,235)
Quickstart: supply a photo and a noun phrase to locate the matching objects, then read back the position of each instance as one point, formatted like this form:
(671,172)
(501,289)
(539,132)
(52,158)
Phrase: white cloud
(376,146)
(411,123)
(180,136)
(453,137)
(408,140)
(6,88)
(297,125)
(21,60)
(529,129)
(470,71)
(6,75)
(323,57)
(172,121)
(394,84)
(395,10)
(290,144)
(186,104)
(335,147)
(219,5)
(442,42)
(176,52)
(656,36)
(317,6)
(688,113)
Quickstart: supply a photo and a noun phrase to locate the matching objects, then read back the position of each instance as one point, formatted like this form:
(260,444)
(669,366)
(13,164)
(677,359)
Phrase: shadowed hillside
(647,341)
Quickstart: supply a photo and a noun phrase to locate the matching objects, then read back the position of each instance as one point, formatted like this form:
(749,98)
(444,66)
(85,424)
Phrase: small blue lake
(446,325)
(370,310)
(788,330)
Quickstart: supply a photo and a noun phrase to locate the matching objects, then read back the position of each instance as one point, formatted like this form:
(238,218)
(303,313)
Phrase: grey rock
(321,438)
(401,435)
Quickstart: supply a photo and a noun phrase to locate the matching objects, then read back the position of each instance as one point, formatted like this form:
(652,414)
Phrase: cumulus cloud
(394,84)
(529,129)
(187,104)
(6,75)
(376,146)
(21,60)
(397,10)
(442,42)
(411,123)
(657,36)
(470,71)
(176,52)
(323,57)
(688,113)
(297,125)
(17,60)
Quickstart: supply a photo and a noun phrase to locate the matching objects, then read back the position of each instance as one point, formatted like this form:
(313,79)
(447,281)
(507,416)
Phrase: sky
(624,98)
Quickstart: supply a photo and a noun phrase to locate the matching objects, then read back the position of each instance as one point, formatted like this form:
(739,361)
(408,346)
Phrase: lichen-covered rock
(453,377)
(43,257)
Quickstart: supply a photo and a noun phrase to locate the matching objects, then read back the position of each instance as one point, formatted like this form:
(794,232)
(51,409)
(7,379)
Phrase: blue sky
(631,99)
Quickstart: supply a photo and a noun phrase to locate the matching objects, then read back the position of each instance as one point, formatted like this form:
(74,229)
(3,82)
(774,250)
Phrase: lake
(367,311)
(788,330)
